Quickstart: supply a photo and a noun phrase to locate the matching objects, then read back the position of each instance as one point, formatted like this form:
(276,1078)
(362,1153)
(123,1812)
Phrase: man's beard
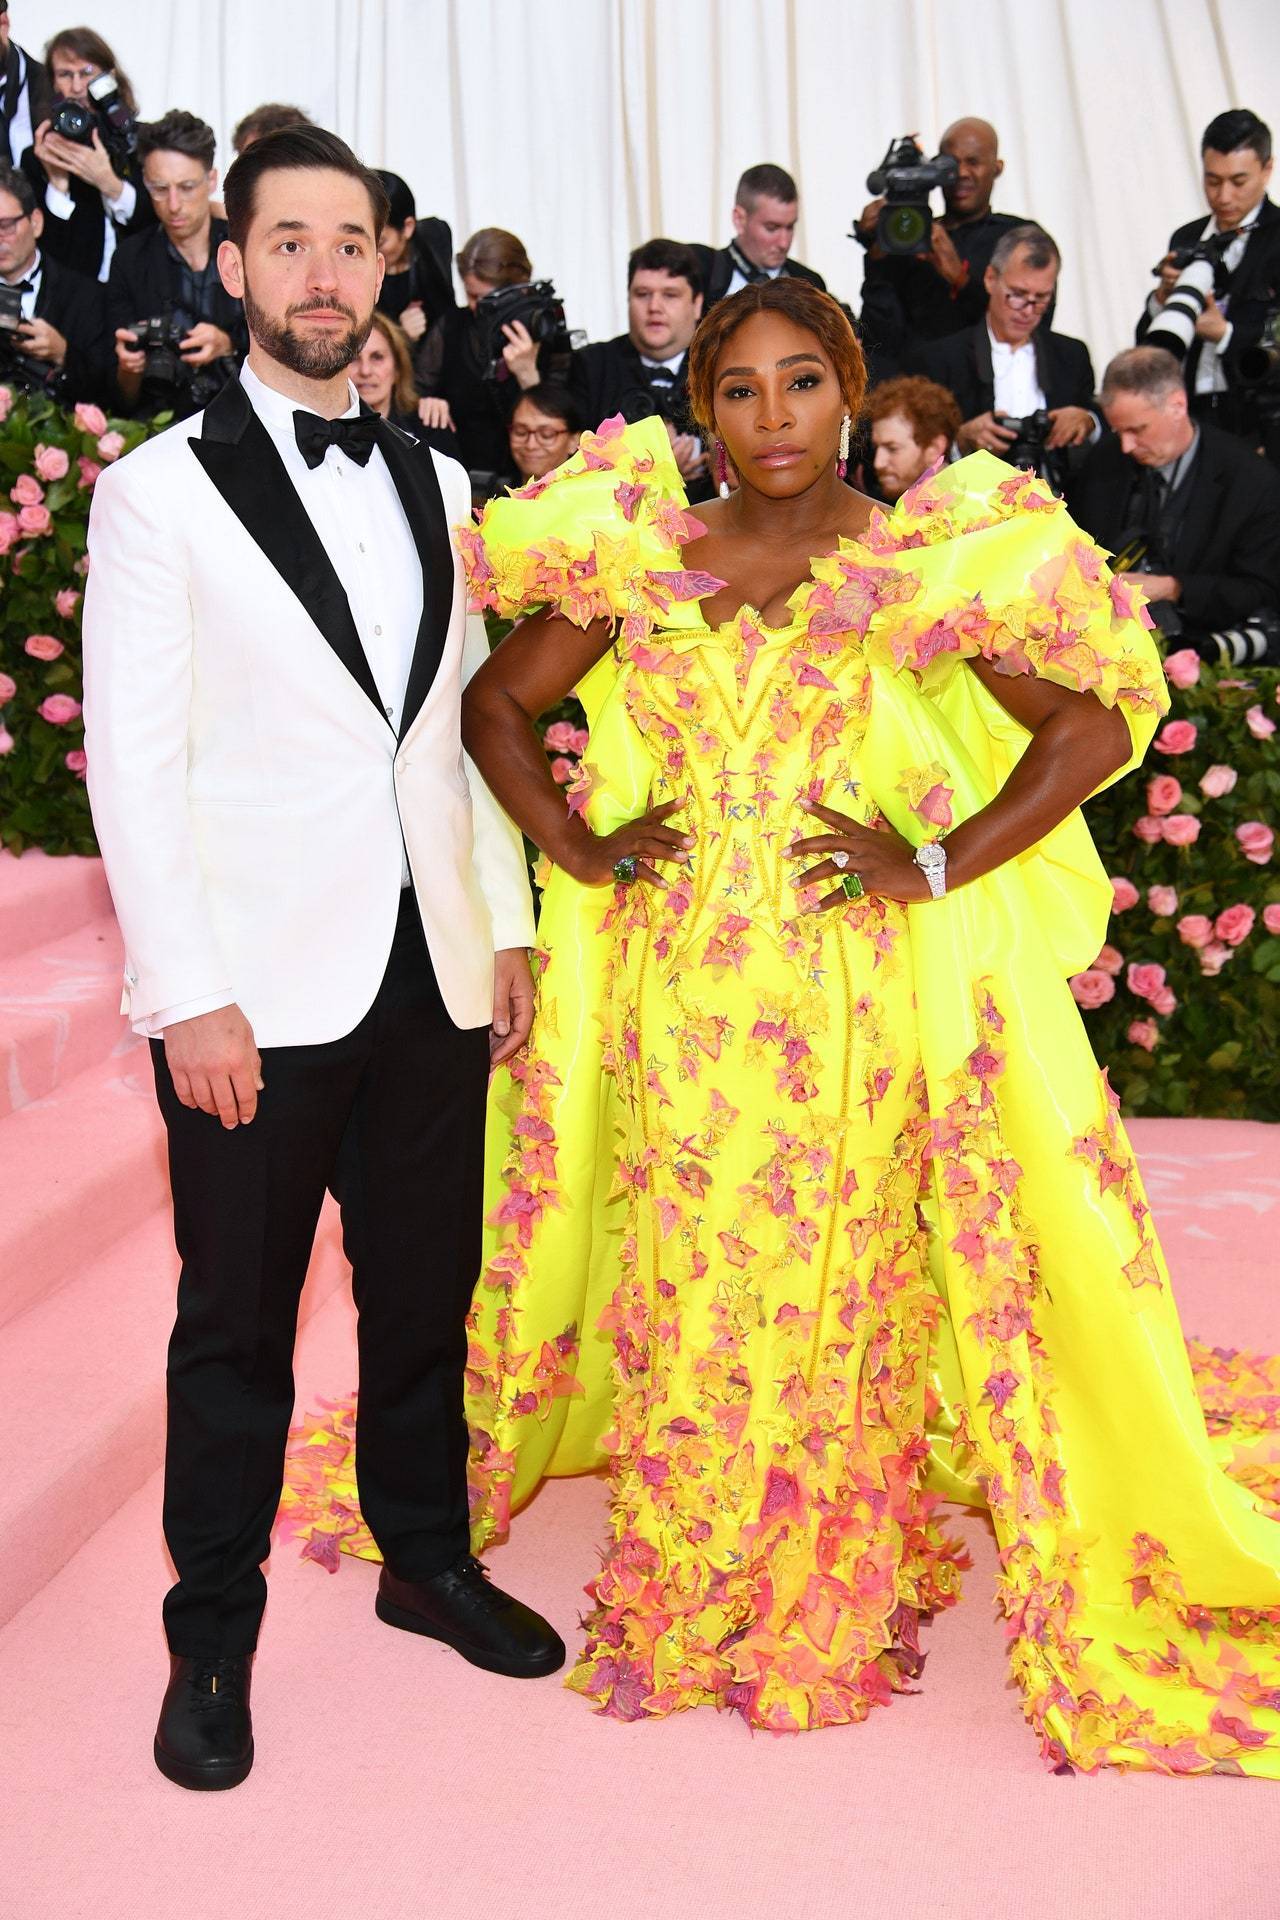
(317,358)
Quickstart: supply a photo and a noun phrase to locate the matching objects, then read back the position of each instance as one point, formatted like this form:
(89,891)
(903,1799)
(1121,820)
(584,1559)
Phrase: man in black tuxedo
(766,206)
(1245,225)
(1009,366)
(62,346)
(1191,513)
(26,97)
(91,195)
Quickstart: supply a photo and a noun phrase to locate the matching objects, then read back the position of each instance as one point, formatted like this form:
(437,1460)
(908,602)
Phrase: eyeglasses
(1027,302)
(540,436)
(185,189)
(10,226)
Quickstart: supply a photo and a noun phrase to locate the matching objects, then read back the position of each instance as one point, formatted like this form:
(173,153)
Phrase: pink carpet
(392,1779)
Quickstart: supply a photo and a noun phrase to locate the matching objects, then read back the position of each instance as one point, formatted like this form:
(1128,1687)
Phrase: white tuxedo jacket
(248,792)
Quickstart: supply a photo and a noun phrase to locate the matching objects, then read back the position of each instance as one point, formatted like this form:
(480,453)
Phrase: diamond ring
(840,859)
(624,870)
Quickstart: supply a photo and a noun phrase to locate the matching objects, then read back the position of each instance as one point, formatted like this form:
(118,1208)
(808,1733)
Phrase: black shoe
(486,1626)
(205,1736)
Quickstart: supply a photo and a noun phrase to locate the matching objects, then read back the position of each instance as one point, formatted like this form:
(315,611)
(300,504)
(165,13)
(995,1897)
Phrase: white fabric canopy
(586,126)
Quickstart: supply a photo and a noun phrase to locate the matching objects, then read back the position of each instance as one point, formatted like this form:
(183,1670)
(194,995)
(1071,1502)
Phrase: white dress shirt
(1017,384)
(119,213)
(1209,375)
(357,513)
(739,280)
(21,132)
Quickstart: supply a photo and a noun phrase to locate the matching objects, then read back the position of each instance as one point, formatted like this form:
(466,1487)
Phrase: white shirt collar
(275,409)
(675,362)
(1002,347)
(1212,227)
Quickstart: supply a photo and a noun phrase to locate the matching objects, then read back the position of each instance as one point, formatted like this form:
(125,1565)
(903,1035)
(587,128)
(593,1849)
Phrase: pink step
(82,1398)
(80,1167)
(59,1011)
(43,897)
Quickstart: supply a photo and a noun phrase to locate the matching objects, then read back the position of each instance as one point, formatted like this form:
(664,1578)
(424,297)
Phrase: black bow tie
(356,435)
(23,286)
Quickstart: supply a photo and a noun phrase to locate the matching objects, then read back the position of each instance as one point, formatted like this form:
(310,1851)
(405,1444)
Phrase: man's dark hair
(271,117)
(666,256)
(294,150)
(1228,132)
(765,182)
(1040,248)
(15,183)
(403,206)
(178,132)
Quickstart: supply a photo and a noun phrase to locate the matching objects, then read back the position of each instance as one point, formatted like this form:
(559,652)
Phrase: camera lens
(905,228)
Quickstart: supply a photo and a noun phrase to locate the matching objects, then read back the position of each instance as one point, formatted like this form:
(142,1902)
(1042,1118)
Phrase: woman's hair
(549,397)
(803,304)
(496,257)
(404,393)
(88,45)
(928,409)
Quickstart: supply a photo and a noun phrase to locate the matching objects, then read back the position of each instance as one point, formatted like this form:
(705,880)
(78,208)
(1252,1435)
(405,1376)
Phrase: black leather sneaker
(205,1736)
(486,1626)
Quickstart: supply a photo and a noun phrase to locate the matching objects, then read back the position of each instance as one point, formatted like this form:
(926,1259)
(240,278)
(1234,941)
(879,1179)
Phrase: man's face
(974,151)
(1018,297)
(1151,431)
(19,232)
(71,73)
(765,231)
(1234,183)
(900,458)
(310,272)
(393,245)
(179,188)
(662,311)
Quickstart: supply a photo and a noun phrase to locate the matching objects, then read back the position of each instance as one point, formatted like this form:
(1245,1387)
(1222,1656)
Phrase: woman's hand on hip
(645,841)
(877,856)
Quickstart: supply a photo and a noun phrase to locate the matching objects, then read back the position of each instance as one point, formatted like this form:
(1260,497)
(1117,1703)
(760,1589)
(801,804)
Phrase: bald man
(908,300)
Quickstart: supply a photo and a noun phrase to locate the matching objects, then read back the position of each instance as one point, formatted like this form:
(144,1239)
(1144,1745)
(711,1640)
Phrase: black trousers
(391,1120)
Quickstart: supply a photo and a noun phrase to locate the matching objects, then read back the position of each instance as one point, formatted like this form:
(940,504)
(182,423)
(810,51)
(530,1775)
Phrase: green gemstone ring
(851,886)
(624,870)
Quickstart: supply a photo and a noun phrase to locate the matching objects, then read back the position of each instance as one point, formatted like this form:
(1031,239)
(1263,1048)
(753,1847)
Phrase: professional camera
(1260,364)
(906,179)
(73,120)
(537,306)
(167,381)
(1255,643)
(1201,271)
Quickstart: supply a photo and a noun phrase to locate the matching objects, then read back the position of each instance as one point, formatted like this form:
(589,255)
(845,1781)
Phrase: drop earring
(842,464)
(722,470)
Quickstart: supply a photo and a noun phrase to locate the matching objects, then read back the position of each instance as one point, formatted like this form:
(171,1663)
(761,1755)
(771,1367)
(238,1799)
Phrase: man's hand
(129,356)
(512,1004)
(1154,586)
(690,455)
(434,412)
(1167,280)
(215,1065)
(42,342)
(48,147)
(985,431)
(944,259)
(414,320)
(1071,426)
(520,353)
(866,221)
(92,163)
(1212,323)
(204,343)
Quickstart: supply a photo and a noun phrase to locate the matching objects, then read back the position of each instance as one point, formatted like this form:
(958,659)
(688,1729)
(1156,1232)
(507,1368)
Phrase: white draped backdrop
(587,126)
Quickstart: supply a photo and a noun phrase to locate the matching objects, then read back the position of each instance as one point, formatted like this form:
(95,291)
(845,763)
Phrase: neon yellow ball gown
(800,1221)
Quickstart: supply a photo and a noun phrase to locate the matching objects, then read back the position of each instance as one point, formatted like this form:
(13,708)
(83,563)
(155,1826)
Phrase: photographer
(417,289)
(911,299)
(642,371)
(26,98)
(913,424)
(1191,513)
(53,322)
(766,206)
(1240,246)
(83,165)
(1016,382)
(166,281)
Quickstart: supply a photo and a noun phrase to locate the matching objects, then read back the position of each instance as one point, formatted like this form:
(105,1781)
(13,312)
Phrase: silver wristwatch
(931,859)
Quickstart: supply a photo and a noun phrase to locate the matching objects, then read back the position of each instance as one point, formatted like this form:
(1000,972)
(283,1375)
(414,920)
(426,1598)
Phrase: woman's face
(475,289)
(373,373)
(778,405)
(538,441)
(71,73)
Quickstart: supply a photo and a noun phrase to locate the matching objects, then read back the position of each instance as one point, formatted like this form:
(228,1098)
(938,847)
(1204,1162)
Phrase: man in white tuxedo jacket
(326,919)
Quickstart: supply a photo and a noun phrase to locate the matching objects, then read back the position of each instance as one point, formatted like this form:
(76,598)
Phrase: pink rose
(1182,669)
(1123,893)
(1144,979)
(1235,924)
(51,462)
(35,520)
(1163,793)
(90,419)
(1092,988)
(9,531)
(65,602)
(42,646)
(1109,960)
(1217,780)
(1144,1033)
(76,761)
(6,738)
(26,491)
(1271,917)
(8,687)
(1214,958)
(562,771)
(558,737)
(6,401)
(1256,841)
(58,709)
(1164,1001)
(111,445)
(1260,724)
(1163,901)
(1181,829)
(1176,736)
(82,566)
(1195,929)
(89,471)
(1148,829)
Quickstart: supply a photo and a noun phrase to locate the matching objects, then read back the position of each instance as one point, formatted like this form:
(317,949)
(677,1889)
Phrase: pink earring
(842,464)
(722,470)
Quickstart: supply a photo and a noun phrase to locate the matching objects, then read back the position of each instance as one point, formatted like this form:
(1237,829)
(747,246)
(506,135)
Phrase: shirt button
(378,630)
(360,544)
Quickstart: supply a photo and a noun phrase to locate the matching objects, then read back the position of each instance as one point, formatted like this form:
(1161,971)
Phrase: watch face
(931,855)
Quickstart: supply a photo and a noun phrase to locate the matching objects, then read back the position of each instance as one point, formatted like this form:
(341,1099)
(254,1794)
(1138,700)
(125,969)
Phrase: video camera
(906,179)
(536,305)
(73,120)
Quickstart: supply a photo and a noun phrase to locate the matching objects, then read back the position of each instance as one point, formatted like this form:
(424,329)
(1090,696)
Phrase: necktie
(356,435)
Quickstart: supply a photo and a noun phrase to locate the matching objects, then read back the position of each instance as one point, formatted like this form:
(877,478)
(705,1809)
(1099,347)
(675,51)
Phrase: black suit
(147,282)
(1250,291)
(77,307)
(1227,548)
(390,1118)
(717,266)
(78,241)
(20,74)
(962,364)
(426,277)
(906,303)
(609,377)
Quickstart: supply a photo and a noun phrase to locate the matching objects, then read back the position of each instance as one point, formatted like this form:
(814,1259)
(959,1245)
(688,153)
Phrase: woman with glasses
(545,429)
(91,192)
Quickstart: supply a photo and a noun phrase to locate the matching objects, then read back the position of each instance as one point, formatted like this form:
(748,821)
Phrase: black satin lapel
(237,453)
(414,472)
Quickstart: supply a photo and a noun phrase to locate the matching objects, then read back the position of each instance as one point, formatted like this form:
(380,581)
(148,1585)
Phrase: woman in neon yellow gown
(805,1216)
